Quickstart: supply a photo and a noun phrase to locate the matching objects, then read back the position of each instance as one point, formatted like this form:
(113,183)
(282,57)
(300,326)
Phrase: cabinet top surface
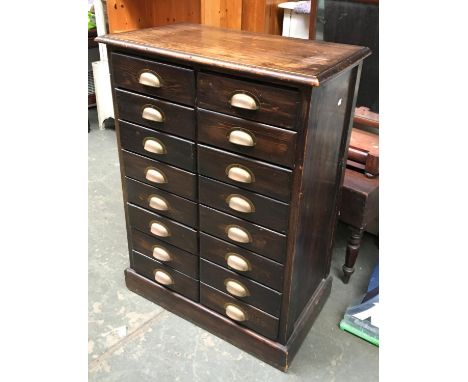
(300,61)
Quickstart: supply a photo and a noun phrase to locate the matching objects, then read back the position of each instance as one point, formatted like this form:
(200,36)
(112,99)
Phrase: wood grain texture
(262,16)
(221,13)
(267,212)
(264,241)
(306,62)
(182,283)
(127,15)
(260,296)
(271,144)
(178,120)
(176,84)
(276,105)
(364,149)
(181,260)
(180,235)
(262,269)
(270,180)
(179,209)
(178,152)
(359,199)
(180,182)
(263,323)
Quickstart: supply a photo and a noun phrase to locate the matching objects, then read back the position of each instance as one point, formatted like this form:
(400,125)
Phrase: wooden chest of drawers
(232,155)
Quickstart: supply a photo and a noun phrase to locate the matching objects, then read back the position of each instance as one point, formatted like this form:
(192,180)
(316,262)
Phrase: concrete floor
(132,339)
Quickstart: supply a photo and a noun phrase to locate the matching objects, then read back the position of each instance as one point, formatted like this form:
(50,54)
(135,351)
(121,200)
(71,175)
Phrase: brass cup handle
(158,203)
(239,234)
(152,114)
(243,101)
(239,174)
(240,203)
(159,229)
(161,254)
(235,313)
(237,262)
(162,277)
(155,176)
(241,138)
(154,146)
(236,288)
(149,79)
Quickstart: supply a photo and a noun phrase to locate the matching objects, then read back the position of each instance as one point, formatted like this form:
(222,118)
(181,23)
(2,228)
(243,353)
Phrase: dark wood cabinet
(232,151)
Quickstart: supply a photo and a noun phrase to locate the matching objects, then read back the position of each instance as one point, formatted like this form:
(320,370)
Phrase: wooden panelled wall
(251,15)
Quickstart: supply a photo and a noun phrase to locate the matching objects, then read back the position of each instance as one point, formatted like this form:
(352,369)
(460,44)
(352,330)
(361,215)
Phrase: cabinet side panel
(324,158)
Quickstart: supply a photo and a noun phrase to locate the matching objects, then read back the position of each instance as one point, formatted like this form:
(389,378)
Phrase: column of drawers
(156,110)
(245,169)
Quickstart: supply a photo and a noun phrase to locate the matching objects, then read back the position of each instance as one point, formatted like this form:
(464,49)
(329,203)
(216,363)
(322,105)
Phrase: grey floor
(131,339)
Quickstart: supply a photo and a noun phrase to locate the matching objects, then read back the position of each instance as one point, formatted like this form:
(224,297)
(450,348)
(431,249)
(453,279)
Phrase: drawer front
(164,229)
(168,277)
(161,175)
(241,288)
(162,202)
(244,234)
(154,78)
(249,138)
(250,174)
(241,261)
(244,204)
(166,148)
(156,114)
(268,104)
(250,317)
(165,253)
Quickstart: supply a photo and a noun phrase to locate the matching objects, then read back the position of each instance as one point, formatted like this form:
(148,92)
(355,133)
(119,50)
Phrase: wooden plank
(306,62)
(175,11)
(253,15)
(222,13)
(127,15)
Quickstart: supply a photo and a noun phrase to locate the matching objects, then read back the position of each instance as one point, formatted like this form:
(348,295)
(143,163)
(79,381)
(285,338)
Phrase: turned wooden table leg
(352,251)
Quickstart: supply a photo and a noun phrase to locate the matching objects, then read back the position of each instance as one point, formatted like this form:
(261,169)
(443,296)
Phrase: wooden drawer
(165,229)
(162,175)
(162,202)
(166,276)
(176,119)
(272,104)
(249,138)
(254,318)
(244,204)
(241,261)
(175,83)
(247,173)
(165,253)
(166,148)
(247,235)
(241,288)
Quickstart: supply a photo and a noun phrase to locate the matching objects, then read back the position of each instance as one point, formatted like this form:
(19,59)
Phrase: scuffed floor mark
(120,296)
(100,363)
(207,340)
(136,319)
(90,346)
(97,307)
